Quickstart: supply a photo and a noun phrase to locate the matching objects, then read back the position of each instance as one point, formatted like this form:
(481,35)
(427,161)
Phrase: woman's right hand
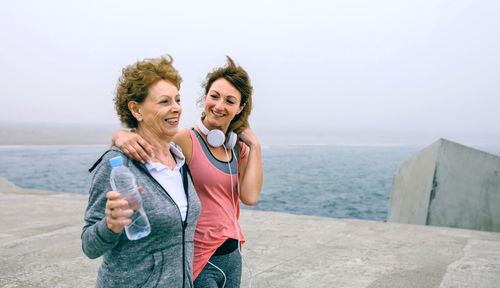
(115,212)
(133,145)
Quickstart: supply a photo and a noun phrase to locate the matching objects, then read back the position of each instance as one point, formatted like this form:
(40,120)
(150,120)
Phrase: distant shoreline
(29,134)
(56,134)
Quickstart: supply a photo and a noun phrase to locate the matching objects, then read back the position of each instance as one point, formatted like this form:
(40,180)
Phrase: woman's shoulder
(241,149)
(182,135)
(113,152)
(104,158)
(183,139)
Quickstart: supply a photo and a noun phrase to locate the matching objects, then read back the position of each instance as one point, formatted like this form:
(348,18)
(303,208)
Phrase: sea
(341,181)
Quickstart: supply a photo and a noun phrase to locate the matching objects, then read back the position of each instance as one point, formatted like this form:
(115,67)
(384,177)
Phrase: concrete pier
(40,246)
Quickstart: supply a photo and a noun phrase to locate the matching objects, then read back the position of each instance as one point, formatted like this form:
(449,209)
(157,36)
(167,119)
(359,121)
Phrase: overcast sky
(368,66)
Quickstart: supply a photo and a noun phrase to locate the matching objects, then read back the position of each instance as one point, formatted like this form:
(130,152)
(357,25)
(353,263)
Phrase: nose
(219,105)
(177,107)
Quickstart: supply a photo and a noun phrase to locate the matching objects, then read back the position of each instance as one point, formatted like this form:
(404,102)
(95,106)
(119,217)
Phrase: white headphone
(216,137)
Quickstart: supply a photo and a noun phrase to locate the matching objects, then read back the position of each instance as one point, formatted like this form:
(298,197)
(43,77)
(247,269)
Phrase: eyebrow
(166,95)
(215,91)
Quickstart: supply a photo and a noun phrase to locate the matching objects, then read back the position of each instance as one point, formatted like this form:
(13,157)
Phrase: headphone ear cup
(215,138)
(231,140)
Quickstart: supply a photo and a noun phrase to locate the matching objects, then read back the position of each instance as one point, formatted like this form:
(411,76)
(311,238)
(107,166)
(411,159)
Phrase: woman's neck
(161,145)
(223,129)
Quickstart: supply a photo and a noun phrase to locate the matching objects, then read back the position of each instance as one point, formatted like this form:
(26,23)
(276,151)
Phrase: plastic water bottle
(123,181)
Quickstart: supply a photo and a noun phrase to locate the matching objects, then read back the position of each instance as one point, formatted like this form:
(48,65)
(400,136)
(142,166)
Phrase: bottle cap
(116,161)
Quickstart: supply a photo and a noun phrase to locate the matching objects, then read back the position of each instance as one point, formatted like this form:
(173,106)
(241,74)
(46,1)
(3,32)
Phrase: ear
(134,109)
(241,108)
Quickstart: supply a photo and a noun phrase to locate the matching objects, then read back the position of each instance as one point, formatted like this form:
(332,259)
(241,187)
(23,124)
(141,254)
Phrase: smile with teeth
(172,121)
(218,114)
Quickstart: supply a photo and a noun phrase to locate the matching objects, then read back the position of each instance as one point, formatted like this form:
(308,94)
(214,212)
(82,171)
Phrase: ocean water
(331,181)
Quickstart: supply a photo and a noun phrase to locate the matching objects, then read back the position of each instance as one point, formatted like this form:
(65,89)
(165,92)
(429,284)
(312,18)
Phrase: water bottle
(123,181)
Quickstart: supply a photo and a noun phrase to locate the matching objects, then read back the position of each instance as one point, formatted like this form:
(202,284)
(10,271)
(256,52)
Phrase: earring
(139,119)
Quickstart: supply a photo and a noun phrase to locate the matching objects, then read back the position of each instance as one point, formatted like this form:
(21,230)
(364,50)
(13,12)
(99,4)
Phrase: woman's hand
(247,136)
(133,145)
(115,213)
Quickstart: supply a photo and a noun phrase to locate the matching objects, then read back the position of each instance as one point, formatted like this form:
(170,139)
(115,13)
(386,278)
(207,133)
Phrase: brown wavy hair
(239,78)
(135,81)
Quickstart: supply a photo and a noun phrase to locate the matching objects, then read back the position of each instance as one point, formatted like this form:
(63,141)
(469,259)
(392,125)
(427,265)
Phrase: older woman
(147,99)
(223,170)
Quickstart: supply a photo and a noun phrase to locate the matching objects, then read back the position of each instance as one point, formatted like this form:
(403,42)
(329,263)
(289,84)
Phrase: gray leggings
(211,277)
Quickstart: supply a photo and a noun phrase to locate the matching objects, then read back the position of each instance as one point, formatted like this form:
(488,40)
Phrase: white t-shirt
(171,180)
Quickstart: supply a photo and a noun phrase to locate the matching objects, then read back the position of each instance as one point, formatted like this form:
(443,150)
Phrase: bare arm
(251,174)
(133,145)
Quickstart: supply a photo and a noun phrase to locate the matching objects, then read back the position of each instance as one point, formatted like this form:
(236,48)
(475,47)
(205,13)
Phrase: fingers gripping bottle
(123,181)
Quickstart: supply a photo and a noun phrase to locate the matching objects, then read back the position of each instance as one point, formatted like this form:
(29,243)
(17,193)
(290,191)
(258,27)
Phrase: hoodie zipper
(183,224)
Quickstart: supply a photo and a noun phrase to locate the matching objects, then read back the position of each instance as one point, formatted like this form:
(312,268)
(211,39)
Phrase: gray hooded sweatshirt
(164,258)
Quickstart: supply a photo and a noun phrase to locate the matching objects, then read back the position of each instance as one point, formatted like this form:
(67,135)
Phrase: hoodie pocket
(155,275)
(141,273)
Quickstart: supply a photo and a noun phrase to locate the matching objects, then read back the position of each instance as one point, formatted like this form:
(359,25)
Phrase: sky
(388,70)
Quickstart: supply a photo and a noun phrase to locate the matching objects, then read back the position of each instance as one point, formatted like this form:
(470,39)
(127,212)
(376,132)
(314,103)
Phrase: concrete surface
(40,247)
(448,184)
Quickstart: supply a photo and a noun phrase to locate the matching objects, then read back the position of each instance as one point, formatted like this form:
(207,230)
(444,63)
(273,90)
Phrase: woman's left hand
(247,136)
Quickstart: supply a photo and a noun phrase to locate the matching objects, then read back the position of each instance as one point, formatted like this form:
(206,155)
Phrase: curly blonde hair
(135,81)
(239,78)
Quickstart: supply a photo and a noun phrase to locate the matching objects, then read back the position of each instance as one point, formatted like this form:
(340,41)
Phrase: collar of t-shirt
(171,180)
(179,161)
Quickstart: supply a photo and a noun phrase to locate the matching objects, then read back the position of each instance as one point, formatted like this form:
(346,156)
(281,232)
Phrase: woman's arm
(137,148)
(101,232)
(250,168)
(133,145)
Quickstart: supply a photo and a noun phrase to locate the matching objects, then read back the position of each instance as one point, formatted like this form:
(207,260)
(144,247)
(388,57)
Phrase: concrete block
(448,184)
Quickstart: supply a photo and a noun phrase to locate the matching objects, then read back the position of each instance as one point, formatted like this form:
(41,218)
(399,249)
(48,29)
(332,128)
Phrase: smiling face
(160,112)
(222,103)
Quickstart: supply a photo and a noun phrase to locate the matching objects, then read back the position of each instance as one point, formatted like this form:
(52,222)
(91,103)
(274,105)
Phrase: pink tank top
(211,179)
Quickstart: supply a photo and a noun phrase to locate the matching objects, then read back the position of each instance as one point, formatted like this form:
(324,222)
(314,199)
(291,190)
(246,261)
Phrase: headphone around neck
(216,137)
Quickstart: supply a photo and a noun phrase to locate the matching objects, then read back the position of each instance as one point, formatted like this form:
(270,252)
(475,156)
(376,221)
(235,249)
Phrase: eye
(230,101)
(178,100)
(214,96)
